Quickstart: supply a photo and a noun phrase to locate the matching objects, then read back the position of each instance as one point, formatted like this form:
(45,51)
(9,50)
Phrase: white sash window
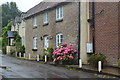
(59,13)
(45,18)
(59,39)
(46,42)
(35,43)
(34,21)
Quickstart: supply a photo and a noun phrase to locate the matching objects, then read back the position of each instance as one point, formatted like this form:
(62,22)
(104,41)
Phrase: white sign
(89,48)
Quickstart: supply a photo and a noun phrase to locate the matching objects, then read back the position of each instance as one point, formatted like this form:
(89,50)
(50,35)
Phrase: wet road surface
(16,68)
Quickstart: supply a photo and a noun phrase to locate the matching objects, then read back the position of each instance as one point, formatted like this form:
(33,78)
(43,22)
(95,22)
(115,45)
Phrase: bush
(12,52)
(118,62)
(48,52)
(3,50)
(94,58)
(64,54)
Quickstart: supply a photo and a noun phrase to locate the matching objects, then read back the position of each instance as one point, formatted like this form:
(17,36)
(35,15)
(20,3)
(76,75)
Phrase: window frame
(35,41)
(35,21)
(59,13)
(45,39)
(45,18)
(59,39)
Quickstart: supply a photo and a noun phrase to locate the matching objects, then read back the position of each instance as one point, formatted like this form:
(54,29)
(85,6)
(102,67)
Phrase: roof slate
(40,7)
(10,34)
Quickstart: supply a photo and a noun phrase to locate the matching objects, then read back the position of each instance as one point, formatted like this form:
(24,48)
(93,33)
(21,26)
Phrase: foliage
(4,35)
(94,58)
(12,51)
(65,53)
(48,52)
(118,62)
(19,47)
(9,11)
(0,43)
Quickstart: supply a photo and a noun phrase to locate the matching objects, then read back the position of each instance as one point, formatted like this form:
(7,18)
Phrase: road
(17,68)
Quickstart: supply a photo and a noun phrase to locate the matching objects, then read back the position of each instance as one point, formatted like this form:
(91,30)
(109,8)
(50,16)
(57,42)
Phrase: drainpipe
(93,21)
(78,31)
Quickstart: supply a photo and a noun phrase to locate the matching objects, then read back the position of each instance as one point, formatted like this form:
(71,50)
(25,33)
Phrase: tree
(9,11)
(4,39)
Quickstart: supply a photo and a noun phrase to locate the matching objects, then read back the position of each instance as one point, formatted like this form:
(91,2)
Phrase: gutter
(78,31)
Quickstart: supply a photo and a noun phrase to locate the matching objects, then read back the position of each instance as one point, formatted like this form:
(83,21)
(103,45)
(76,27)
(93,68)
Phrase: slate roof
(41,7)
(10,34)
(17,19)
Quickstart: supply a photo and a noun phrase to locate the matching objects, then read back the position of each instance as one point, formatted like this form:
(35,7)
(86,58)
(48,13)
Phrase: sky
(23,5)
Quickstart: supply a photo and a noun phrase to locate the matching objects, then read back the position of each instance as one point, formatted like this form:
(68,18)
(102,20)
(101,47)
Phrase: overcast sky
(23,5)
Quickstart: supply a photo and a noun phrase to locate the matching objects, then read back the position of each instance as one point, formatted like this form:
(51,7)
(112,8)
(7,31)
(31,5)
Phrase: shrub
(4,50)
(94,58)
(48,52)
(118,62)
(64,53)
(12,52)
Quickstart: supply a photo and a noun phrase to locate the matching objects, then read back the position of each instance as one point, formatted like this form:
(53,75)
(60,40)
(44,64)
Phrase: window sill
(45,24)
(34,27)
(34,49)
(59,20)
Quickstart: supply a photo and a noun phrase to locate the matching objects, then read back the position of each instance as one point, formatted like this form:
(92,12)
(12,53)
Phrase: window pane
(46,18)
(34,21)
(57,13)
(35,43)
(61,12)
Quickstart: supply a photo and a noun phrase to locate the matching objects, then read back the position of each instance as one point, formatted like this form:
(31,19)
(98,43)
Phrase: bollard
(45,58)
(80,63)
(20,55)
(99,66)
(29,56)
(24,55)
(38,58)
(16,54)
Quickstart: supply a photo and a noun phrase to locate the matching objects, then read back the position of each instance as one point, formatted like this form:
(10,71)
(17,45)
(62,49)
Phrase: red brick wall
(106,30)
(119,29)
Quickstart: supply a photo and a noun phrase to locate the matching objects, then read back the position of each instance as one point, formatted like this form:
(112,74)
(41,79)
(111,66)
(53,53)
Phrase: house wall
(8,48)
(21,31)
(68,27)
(84,31)
(107,30)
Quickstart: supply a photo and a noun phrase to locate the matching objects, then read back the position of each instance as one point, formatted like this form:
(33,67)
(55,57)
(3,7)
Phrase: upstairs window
(34,21)
(45,18)
(59,13)
(35,43)
(59,39)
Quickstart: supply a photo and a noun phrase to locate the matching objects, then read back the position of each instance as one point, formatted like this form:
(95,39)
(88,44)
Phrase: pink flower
(63,52)
(75,50)
(71,57)
(64,44)
(54,60)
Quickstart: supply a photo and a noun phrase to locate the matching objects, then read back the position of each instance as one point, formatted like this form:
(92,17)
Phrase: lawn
(0,43)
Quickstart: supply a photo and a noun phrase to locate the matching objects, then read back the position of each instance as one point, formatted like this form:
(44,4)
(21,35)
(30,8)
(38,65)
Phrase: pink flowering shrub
(65,52)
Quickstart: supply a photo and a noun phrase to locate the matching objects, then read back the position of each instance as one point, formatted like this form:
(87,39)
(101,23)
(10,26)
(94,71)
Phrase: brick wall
(107,30)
